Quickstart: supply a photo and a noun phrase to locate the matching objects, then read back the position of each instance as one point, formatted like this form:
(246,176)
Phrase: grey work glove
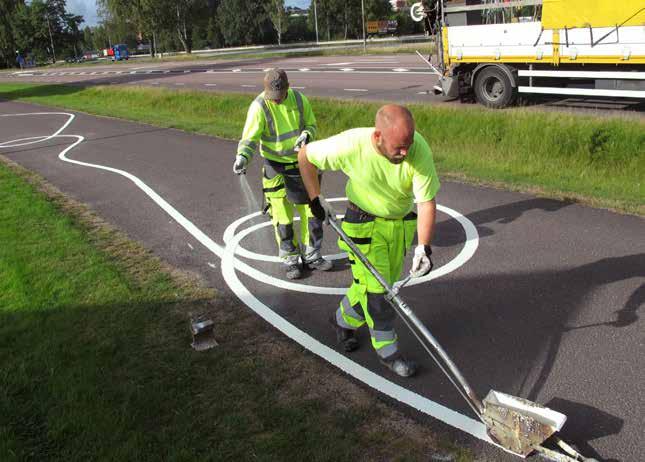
(239,167)
(421,263)
(302,140)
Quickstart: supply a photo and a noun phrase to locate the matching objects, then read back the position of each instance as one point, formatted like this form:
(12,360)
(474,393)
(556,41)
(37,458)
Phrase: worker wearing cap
(279,122)
(390,167)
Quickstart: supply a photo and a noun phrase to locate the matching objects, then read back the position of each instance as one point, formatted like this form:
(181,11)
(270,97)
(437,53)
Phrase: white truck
(495,49)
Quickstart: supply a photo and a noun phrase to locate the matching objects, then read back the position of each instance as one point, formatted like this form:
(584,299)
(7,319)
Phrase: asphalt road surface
(400,78)
(534,297)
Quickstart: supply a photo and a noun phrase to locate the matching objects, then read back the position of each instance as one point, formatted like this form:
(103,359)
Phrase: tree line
(45,30)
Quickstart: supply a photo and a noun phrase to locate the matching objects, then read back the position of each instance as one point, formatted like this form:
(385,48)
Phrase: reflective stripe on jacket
(274,128)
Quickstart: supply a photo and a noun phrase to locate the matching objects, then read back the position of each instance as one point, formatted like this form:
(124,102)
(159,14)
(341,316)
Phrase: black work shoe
(345,337)
(294,271)
(399,365)
(320,264)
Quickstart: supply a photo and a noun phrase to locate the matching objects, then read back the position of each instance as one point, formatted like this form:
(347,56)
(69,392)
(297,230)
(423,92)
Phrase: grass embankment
(95,362)
(600,161)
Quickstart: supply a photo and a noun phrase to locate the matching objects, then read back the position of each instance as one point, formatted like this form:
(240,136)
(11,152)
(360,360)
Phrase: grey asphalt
(549,308)
(398,77)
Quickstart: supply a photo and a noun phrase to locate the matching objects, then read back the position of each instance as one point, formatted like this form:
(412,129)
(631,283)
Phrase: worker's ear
(377,136)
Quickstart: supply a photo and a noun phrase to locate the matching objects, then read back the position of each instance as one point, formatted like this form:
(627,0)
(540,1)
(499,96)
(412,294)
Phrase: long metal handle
(422,333)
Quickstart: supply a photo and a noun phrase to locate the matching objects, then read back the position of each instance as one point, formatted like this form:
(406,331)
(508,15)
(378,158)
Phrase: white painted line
(400,69)
(249,86)
(210,84)
(236,70)
(210,71)
(229,266)
(339,64)
(347,69)
(166,72)
(133,72)
(354,89)
(299,88)
(187,71)
(25,75)
(304,69)
(212,265)
(119,72)
(190,246)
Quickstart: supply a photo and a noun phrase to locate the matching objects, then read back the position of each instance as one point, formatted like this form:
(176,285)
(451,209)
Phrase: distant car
(75,59)
(120,52)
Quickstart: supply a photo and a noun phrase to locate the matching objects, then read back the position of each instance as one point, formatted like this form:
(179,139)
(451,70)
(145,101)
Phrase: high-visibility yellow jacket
(275,127)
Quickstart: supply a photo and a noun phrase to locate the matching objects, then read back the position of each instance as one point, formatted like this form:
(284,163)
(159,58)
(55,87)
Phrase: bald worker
(390,168)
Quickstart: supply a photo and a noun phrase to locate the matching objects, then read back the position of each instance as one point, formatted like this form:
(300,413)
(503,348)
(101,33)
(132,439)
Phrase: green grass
(95,362)
(598,160)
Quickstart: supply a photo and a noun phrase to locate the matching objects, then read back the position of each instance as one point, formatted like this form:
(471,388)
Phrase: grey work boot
(315,261)
(399,365)
(345,337)
(292,267)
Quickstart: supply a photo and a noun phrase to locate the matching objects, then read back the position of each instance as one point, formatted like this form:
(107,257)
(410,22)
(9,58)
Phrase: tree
(278,17)
(244,22)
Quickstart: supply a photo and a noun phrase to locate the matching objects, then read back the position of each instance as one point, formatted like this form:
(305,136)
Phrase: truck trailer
(495,49)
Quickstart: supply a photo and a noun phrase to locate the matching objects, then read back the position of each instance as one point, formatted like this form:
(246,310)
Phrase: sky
(87,9)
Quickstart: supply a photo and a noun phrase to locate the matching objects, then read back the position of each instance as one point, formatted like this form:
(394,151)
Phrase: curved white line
(230,264)
(56,133)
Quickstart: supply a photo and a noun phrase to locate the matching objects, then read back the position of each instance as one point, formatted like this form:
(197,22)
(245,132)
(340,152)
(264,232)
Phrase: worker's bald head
(394,132)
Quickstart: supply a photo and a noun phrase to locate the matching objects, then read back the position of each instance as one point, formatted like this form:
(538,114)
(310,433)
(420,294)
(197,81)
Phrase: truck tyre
(493,88)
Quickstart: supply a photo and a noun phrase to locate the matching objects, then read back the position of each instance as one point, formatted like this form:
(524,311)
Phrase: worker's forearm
(309,174)
(427,215)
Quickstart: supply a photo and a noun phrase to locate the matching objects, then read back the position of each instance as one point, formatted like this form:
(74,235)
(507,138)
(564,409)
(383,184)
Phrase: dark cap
(276,84)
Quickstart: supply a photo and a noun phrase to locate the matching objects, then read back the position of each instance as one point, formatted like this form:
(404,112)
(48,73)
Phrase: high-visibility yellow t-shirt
(375,184)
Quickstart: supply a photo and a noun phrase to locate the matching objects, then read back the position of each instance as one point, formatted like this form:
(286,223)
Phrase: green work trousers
(384,242)
(285,193)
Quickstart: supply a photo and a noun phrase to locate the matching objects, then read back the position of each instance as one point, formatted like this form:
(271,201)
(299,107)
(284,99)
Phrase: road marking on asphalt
(304,69)
(190,246)
(236,70)
(187,71)
(248,86)
(339,64)
(210,84)
(354,89)
(347,69)
(230,264)
(401,69)
(212,265)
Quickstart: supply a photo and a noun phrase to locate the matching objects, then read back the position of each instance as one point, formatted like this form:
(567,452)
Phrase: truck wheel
(493,88)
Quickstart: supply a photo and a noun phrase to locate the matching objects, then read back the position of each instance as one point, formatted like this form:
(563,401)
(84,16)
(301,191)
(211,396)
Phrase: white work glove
(302,140)
(421,263)
(239,167)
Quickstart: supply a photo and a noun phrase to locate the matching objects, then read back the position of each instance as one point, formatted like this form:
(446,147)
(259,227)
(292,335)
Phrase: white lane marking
(212,265)
(187,71)
(340,64)
(25,75)
(400,69)
(230,264)
(210,84)
(347,69)
(304,69)
(236,70)
(166,72)
(355,89)
(190,246)
(299,88)
(414,400)
(248,86)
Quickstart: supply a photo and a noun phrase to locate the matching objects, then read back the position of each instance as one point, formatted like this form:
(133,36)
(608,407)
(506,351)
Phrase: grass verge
(95,362)
(597,161)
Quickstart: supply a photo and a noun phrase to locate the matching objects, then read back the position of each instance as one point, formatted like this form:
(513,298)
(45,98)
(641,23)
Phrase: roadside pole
(316,21)
(363,20)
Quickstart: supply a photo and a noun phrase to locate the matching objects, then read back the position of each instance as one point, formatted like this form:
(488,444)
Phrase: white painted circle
(232,241)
